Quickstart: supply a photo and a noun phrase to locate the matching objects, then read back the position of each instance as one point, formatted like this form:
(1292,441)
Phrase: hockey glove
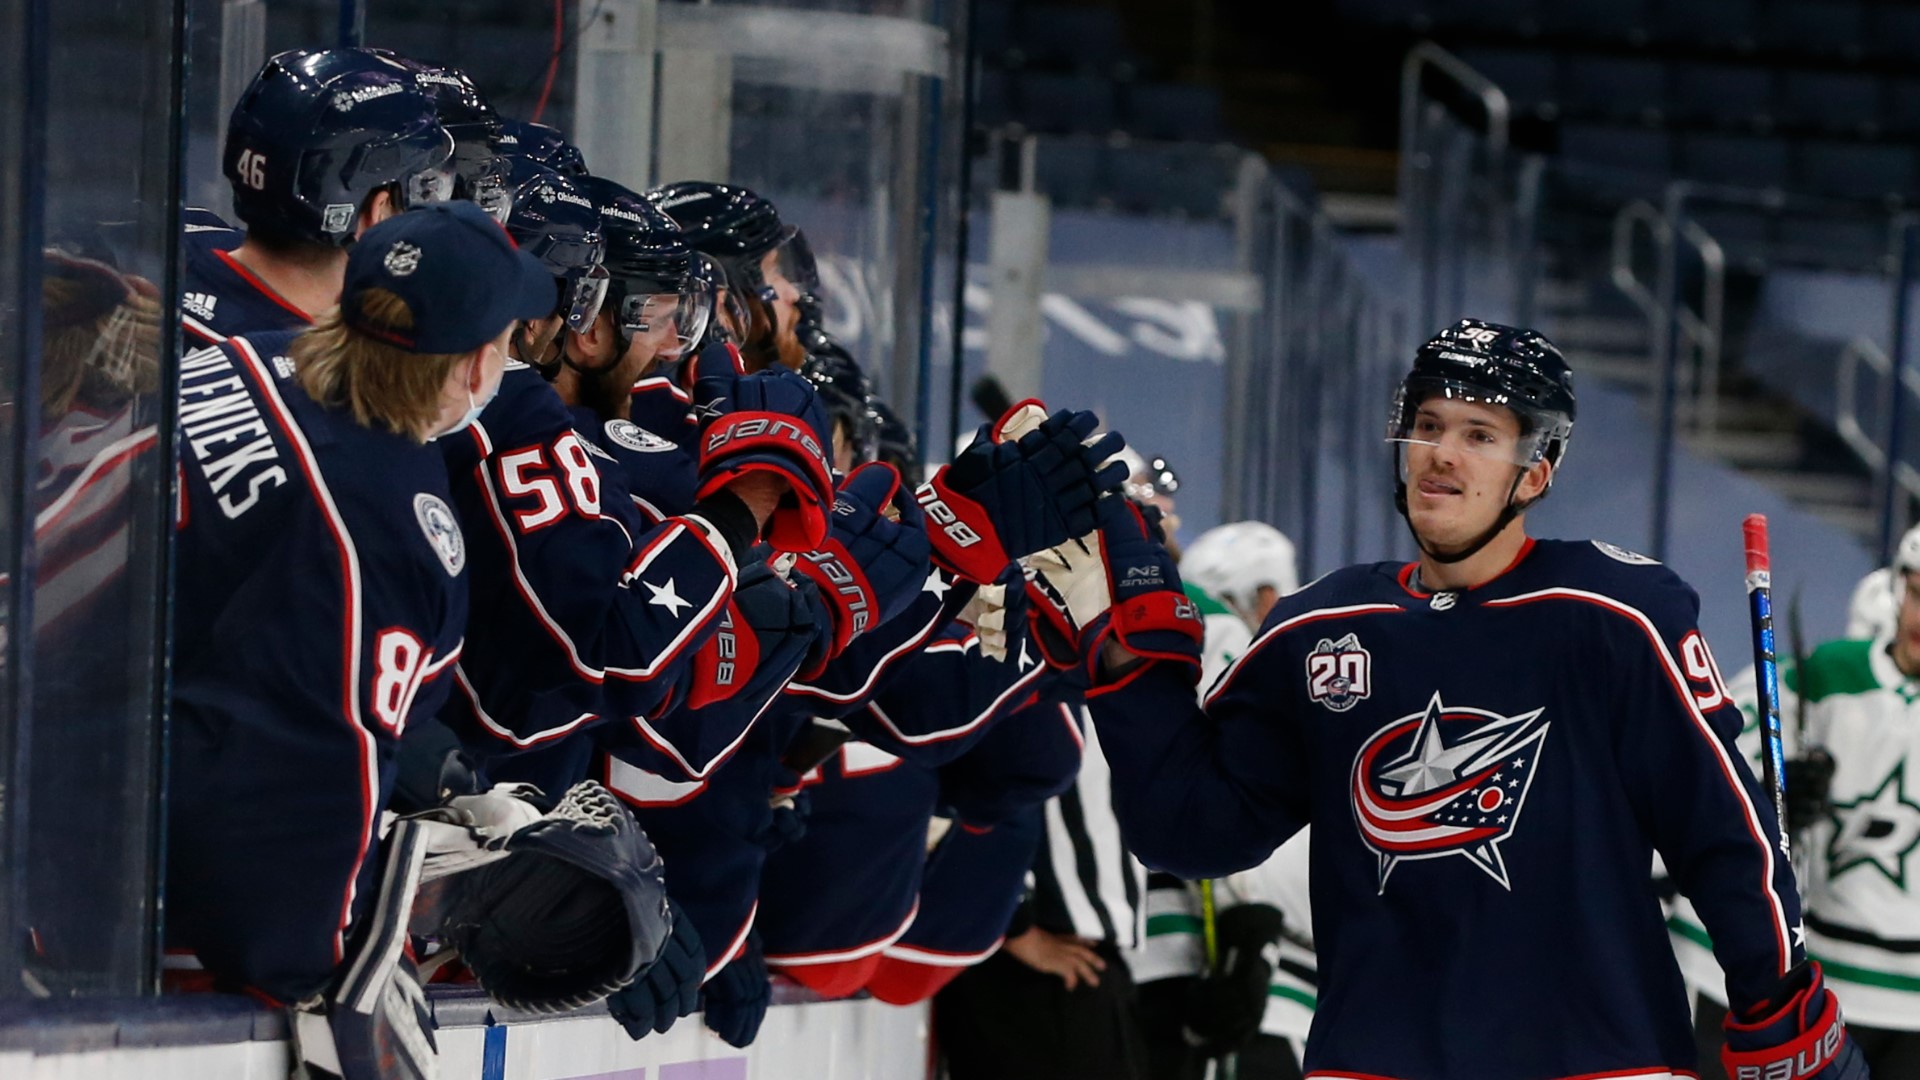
(1007,497)
(1118,583)
(769,630)
(770,421)
(788,824)
(871,566)
(737,998)
(669,988)
(1224,1007)
(1809,784)
(574,912)
(1798,1035)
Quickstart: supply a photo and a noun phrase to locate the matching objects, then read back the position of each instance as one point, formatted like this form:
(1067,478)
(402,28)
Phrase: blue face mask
(474,409)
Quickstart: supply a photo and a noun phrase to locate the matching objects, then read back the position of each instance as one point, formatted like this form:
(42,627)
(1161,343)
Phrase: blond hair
(383,385)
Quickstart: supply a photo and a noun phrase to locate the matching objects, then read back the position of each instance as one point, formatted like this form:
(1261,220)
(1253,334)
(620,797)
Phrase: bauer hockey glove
(770,421)
(736,999)
(666,990)
(1007,496)
(1799,1038)
(769,629)
(871,567)
(1809,784)
(1118,584)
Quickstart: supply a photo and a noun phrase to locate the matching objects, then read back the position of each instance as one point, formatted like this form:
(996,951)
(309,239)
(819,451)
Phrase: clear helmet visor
(1452,418)
(584,297)
(655,320)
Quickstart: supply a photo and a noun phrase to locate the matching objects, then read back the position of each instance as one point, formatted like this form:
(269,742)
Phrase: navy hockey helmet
(738,227)
(556,223)
(844,390)
(480,171)
(543,144)
(1516,369)
(649,264)
(320,130)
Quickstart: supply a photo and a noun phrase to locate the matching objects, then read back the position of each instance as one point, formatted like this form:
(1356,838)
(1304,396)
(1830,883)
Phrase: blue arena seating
(1854,169)
(1752,161)
(1061,103)
(1726,95)
(1842,102)
(1623,87)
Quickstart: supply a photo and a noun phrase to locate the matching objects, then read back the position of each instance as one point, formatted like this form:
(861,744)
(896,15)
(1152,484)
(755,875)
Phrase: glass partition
(91,224)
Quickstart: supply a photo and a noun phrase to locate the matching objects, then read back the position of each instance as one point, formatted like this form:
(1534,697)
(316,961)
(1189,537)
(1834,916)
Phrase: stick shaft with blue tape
(1773,763)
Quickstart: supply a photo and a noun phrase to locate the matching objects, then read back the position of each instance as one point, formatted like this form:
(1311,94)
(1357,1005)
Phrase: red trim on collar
(253,279)
(1405,576)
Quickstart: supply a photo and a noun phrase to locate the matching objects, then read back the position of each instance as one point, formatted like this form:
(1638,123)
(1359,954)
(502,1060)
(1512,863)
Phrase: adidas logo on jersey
(199,304)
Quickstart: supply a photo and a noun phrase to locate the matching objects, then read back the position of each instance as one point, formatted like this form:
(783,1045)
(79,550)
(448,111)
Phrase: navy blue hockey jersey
(1489,774)
(585,609)
(320,596)
(219,297)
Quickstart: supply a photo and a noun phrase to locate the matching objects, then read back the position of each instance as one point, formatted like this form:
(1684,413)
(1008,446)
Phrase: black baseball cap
(458,271)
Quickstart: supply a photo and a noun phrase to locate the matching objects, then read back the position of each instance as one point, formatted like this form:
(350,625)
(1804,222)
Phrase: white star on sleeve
(666,597)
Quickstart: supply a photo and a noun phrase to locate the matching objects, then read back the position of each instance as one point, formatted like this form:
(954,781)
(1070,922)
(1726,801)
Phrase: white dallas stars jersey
(1863,862)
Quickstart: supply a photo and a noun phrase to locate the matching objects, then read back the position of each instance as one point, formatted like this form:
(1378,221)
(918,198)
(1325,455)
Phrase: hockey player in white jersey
(1853,803)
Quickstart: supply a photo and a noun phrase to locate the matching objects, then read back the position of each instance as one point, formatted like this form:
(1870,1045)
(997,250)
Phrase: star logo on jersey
(1446,781)
(1878,830)
(1339,673)
(936,585)
(666,597)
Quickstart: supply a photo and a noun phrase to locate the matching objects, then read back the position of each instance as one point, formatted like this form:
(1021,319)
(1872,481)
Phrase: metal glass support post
(613,89)
(1017,271)
(1669,374)
(353,23)
(1908,239)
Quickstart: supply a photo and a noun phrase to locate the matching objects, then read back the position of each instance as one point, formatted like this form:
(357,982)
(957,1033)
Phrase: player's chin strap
(1508,512)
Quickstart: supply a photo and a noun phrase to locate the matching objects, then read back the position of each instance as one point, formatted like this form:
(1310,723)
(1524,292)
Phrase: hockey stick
(1760,606)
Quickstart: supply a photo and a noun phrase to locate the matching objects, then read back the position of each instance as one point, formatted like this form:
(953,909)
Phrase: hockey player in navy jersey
(323,144)
(766,262)
(322,589)
(591,610)
(1491,744)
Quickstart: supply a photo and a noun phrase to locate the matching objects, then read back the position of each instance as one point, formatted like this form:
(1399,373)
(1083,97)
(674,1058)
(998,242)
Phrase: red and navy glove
(767,630)
(871,566)
(769,421)
(736,999)
(669,988)
(1118,583)
(1007,497)
(1798,1035)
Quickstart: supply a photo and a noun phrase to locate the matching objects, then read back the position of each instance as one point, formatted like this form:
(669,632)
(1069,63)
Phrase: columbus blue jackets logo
(1339,673)
(442,530)
(1443,782)
(634,437)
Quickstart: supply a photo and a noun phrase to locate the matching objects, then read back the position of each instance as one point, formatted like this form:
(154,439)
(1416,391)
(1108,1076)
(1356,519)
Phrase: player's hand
(1797,1034)
(736,999)
(1809,784)
(770,628)
(1073,959)
(761,491)
(1223,1008)
(1010,495)
(772,422)
(669,988)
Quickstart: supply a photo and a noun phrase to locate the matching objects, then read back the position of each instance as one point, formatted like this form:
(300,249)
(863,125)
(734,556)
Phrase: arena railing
(1288,426)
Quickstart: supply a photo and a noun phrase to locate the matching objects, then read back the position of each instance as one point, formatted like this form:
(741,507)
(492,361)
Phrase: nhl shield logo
(1339,673)
(1445,781)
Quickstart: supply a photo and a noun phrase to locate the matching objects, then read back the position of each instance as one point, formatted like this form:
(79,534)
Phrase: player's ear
(1535,483)
(378,208)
